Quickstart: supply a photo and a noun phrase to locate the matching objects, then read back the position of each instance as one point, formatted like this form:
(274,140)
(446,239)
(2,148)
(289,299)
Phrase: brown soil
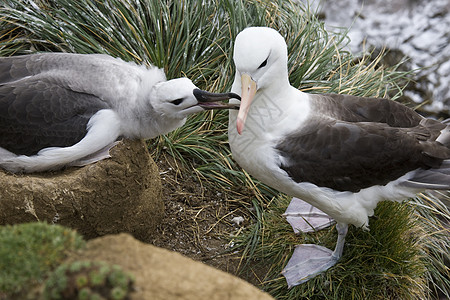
(198,221)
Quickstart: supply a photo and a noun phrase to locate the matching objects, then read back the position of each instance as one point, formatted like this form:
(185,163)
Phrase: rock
(418,28)
(119,194)
(163,274)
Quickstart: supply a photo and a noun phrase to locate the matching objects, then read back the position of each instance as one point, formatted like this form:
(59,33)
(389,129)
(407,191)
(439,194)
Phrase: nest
(119,194)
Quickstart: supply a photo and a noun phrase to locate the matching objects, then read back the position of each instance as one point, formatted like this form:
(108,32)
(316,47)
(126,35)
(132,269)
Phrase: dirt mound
(120,194)
(163,274)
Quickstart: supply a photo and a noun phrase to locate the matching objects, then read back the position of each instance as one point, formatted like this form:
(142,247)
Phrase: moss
(29,251)
(89,280)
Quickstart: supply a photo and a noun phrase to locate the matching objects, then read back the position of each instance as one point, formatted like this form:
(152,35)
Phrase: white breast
(269,119)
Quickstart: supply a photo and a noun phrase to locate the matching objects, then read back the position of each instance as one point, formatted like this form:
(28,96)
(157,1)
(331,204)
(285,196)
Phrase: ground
(198,221)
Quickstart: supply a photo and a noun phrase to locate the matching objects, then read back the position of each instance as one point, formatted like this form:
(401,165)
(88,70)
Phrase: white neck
(277,104)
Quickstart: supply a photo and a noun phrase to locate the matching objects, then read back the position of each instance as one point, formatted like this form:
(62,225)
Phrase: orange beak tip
(239,125)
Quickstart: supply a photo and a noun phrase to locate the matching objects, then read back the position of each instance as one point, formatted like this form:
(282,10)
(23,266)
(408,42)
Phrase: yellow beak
(248,92)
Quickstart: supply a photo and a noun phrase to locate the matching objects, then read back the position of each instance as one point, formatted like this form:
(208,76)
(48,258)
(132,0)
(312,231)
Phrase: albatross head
(178,98)
(260,57)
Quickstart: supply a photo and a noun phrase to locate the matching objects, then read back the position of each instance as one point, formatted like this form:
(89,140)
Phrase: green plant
(88,280)
(29,251)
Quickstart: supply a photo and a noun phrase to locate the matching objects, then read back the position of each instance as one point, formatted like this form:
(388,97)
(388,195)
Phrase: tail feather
(424,186)
(444,137)
(438,176)
(432,179)
(445,165)
(446,121)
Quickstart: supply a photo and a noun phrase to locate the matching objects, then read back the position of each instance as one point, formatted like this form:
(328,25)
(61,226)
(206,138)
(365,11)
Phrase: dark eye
(177,101)
(264,63)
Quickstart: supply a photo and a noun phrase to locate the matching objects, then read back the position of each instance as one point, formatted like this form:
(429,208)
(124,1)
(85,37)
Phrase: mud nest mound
(119,194)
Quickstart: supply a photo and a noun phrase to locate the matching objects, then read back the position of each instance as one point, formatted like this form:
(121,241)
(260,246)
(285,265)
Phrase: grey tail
(431,179)
(444,137)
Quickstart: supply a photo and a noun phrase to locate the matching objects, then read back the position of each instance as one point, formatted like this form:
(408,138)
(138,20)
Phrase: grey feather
(46,100)
(351,143)
(36,114)
(435,179)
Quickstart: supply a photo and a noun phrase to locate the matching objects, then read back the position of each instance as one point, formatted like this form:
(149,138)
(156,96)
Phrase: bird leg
(309,260)
(304,217)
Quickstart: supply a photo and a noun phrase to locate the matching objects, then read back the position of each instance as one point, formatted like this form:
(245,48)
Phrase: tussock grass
(194,38)
(391,261)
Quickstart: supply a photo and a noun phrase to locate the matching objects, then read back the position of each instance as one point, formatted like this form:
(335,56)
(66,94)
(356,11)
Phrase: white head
(177,98)
(260,57)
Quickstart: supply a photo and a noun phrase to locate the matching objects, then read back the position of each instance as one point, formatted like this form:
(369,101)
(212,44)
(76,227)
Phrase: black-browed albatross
(61,109)
(342,154)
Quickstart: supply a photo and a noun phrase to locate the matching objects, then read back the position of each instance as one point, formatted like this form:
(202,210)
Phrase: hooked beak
(249,88)
(209,100)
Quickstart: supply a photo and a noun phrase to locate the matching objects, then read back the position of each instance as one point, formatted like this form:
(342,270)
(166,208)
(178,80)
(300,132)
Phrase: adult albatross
(342,154)
(61,109)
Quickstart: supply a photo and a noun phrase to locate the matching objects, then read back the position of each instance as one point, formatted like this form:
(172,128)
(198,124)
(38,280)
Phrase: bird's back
(47,100)
(351,143)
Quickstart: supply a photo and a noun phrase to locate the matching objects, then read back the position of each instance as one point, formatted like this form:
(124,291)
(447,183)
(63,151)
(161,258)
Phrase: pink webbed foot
(304,217)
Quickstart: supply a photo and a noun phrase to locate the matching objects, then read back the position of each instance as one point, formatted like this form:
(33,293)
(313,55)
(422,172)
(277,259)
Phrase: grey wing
(37,113)
(46,100)
(350,156)
(18,67)
(364,109)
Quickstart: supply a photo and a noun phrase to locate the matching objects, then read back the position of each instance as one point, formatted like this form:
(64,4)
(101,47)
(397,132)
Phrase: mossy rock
(88,280)
(29,251)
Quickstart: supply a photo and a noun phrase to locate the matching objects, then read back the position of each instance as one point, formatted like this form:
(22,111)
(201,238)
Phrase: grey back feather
(46,100)
(350,143)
